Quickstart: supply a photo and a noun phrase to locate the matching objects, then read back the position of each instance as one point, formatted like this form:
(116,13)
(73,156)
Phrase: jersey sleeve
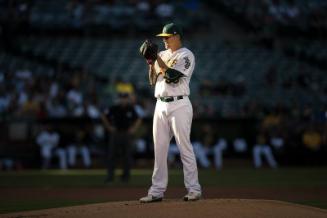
(185,63)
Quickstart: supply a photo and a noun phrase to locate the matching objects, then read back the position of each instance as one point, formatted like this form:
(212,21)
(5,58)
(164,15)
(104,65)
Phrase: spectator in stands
(276,10)
(76,12)
(48,140)
(74,98)
(165,10)
(30,107)
(54,89)
(121,120)
(291,12)
(56,108)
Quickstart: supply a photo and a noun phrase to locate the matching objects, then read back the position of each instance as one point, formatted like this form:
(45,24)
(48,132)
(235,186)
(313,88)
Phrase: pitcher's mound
(222,208)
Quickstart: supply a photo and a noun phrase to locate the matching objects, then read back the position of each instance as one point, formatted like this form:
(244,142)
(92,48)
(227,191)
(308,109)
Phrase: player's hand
(149,51)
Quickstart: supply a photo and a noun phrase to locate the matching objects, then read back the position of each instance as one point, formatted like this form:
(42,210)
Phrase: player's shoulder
(186,52)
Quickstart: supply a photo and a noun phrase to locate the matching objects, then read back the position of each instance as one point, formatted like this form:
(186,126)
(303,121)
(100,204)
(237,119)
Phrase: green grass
(289,177)
(25,205)
(320,204)
(236,177)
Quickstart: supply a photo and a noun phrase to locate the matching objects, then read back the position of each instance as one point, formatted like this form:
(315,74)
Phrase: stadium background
(260,64)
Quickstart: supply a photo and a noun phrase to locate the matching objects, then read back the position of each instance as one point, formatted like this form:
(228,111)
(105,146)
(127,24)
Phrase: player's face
(168,41)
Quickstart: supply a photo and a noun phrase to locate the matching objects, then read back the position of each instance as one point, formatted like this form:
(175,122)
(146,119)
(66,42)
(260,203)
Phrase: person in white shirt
(171,73)
(47,139)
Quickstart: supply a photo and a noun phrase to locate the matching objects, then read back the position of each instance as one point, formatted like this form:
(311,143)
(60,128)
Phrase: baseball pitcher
(170,72)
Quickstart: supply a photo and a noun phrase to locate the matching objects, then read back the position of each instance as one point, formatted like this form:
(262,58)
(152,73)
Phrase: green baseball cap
(170,29)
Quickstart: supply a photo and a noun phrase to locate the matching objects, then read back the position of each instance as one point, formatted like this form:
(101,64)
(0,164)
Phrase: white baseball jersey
(181,60)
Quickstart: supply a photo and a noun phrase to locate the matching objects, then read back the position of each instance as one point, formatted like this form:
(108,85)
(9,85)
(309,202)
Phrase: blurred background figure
(240,145)
(80,147)
(203,147)
(218,150)
(121,121)
(262,149)
(48,140)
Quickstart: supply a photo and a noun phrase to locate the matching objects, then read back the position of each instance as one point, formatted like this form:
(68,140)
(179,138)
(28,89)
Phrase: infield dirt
(222,208)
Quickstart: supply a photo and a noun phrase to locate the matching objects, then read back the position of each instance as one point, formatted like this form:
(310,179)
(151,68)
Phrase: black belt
(171,98)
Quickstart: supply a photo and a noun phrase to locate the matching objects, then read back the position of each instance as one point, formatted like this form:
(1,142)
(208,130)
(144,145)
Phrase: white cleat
(192,196)
(150,199)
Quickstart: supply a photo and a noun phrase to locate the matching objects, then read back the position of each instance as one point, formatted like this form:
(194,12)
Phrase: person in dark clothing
(121,121)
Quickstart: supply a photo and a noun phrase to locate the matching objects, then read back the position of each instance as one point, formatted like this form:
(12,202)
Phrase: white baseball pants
(173,119)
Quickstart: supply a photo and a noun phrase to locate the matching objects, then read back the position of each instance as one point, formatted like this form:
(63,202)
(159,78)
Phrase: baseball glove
(149,51)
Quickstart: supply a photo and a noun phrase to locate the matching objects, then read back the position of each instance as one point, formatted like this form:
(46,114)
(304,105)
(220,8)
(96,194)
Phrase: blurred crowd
(116,14)
(78,93)
(308,91)
(270,14)
(54,95)
(59,94)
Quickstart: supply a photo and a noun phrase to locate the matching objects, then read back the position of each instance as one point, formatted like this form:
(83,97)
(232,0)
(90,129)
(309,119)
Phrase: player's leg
(161,139)
(181,122)
(62,156)
(218,151)
(269,156)
(256,153)
(46,154)
(86,156)
(218,156)
(127,156)
(71,150)
(201,154)
(112,154)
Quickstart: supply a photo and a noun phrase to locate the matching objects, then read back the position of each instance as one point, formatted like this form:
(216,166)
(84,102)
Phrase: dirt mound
(222,208)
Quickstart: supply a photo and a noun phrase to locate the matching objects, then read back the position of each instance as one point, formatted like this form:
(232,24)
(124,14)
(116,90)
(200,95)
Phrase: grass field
(303,185)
